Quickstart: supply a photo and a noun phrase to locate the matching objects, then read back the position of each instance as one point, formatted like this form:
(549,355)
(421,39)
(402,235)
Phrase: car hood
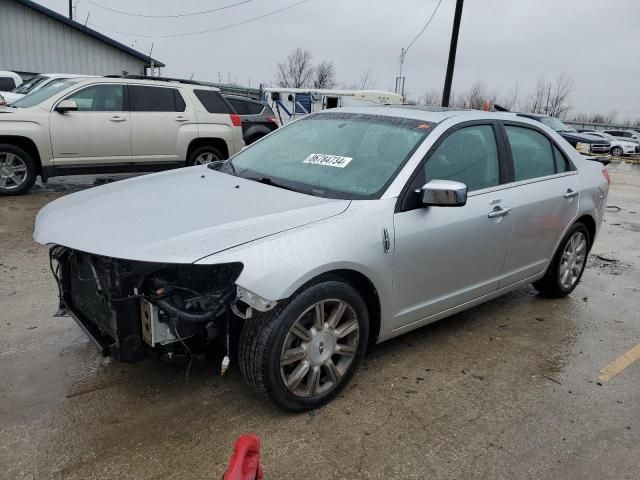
(177,216)
(583,138)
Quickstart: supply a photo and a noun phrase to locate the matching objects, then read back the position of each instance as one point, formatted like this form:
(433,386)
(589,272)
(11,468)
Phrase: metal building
(35,39)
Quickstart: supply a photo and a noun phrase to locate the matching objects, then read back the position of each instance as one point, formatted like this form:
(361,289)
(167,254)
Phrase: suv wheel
(17,170)
(567,266)
(617,151)
(204,155)
(304,352)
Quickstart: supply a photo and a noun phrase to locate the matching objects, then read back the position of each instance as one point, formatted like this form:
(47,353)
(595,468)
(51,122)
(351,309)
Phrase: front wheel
(617,151)
(18,170)
(304,352)
(566,268)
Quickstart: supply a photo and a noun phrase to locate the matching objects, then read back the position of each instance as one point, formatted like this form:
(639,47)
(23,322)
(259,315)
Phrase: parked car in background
(36,83)
(628,135)
(342,229)
(618,147)
(584,144)
(257,117)
(8,82)
(111,125)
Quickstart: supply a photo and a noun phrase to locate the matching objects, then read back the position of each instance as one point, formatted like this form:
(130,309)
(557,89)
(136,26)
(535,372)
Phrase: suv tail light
(272,120)
(605,172)
(235,119)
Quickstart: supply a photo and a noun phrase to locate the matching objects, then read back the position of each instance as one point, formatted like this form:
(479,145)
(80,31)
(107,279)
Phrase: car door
(447,256)
(546,190)
(161,122)
(99,132)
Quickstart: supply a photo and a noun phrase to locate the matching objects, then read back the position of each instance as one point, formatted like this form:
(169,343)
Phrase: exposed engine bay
(129,308)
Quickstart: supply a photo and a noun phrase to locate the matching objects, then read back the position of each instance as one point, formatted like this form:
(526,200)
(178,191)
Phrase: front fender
(275,267)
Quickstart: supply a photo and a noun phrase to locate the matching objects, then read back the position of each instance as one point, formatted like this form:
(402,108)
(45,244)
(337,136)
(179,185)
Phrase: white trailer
(291,103)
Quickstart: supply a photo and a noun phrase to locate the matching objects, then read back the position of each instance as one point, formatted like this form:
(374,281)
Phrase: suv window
(254,108)
(213,102)
(468,155)
(531,152)
(238,105)
(99,98)
(7,83)
(155,99)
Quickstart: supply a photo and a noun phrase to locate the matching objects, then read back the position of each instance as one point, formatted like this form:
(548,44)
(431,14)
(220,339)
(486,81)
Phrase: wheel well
(217,143)
(26,144)
(369,294)
(590,223)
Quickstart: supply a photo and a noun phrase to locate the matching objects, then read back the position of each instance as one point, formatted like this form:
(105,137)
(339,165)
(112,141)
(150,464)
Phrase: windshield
(556,124)
(44,93)
(28,86)
(336,155)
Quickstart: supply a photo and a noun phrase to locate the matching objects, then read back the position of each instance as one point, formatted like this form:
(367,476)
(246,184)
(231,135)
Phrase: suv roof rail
(164,79)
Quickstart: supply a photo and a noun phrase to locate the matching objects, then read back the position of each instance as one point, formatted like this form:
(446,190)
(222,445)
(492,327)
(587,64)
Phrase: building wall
(33,42)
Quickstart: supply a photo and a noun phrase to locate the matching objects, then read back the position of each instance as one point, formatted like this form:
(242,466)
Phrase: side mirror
(443,193)
(66,106)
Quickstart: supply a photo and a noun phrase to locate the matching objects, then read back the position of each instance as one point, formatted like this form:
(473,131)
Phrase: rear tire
(566,268)
(18,171)
(204,155)
(301,354)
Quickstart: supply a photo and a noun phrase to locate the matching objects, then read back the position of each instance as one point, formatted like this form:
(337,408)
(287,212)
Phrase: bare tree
(366,80)
(296,71)
(432,97)
(324,75)
(537,100)
(558,99)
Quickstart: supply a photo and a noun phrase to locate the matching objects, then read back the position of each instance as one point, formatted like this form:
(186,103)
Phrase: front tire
(617,151)
(18,170)
(301,354)
(204,155)
(566,268)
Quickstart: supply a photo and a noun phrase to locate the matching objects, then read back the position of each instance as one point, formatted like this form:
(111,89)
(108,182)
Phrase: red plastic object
(235,120)
(244,463)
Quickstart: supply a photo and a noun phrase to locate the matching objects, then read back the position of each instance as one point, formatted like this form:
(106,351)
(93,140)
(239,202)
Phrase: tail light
(235,119)
(605,172)
(272,120)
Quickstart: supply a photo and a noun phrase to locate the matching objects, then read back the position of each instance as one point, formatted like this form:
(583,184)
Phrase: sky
(503,43)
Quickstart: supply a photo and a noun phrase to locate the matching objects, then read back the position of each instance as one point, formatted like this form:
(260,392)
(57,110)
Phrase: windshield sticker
(328,160)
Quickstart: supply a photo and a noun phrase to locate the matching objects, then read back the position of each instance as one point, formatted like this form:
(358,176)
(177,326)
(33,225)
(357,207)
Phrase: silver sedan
(341,230)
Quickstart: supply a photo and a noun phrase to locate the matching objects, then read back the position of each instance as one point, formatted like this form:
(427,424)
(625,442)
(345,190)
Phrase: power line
(199,32)
(423,28)
(177,15)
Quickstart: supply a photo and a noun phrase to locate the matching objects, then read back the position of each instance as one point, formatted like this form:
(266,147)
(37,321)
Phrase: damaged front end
(129,308)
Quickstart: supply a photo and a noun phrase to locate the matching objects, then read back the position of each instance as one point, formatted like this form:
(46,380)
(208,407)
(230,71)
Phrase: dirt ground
(507,390)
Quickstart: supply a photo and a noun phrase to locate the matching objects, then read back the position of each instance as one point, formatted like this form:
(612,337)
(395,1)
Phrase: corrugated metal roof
(92,33)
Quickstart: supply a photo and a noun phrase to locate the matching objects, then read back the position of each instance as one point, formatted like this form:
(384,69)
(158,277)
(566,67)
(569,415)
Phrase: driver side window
(468,155)
(99,98)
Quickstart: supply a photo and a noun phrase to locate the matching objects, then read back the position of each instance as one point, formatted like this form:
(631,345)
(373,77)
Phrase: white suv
(112,125)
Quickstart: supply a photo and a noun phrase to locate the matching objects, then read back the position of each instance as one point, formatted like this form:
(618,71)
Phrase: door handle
(180,118)
(117,118)
(570,194)
(499,212)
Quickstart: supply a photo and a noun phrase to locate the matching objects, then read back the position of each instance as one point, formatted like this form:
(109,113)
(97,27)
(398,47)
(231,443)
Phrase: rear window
(7,83)
(213,102)
(155,99)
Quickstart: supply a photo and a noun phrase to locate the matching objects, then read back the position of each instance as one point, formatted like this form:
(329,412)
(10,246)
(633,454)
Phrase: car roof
(428,113)
(144,81)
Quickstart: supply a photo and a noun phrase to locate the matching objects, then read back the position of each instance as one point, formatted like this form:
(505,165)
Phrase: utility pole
(70,9)
(446,93)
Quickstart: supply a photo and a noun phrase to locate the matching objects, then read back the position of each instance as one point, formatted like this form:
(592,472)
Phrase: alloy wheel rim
(319,348)
(13,171)
(205,158)
(617,151)
(573,259)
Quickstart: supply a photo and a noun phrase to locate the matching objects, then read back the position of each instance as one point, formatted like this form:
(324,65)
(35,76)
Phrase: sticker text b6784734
(328,160)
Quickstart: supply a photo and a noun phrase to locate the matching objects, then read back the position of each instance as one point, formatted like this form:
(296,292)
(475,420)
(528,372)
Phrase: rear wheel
(204,155)
(303,353)
(566,268)
(617,151)
(18,170)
